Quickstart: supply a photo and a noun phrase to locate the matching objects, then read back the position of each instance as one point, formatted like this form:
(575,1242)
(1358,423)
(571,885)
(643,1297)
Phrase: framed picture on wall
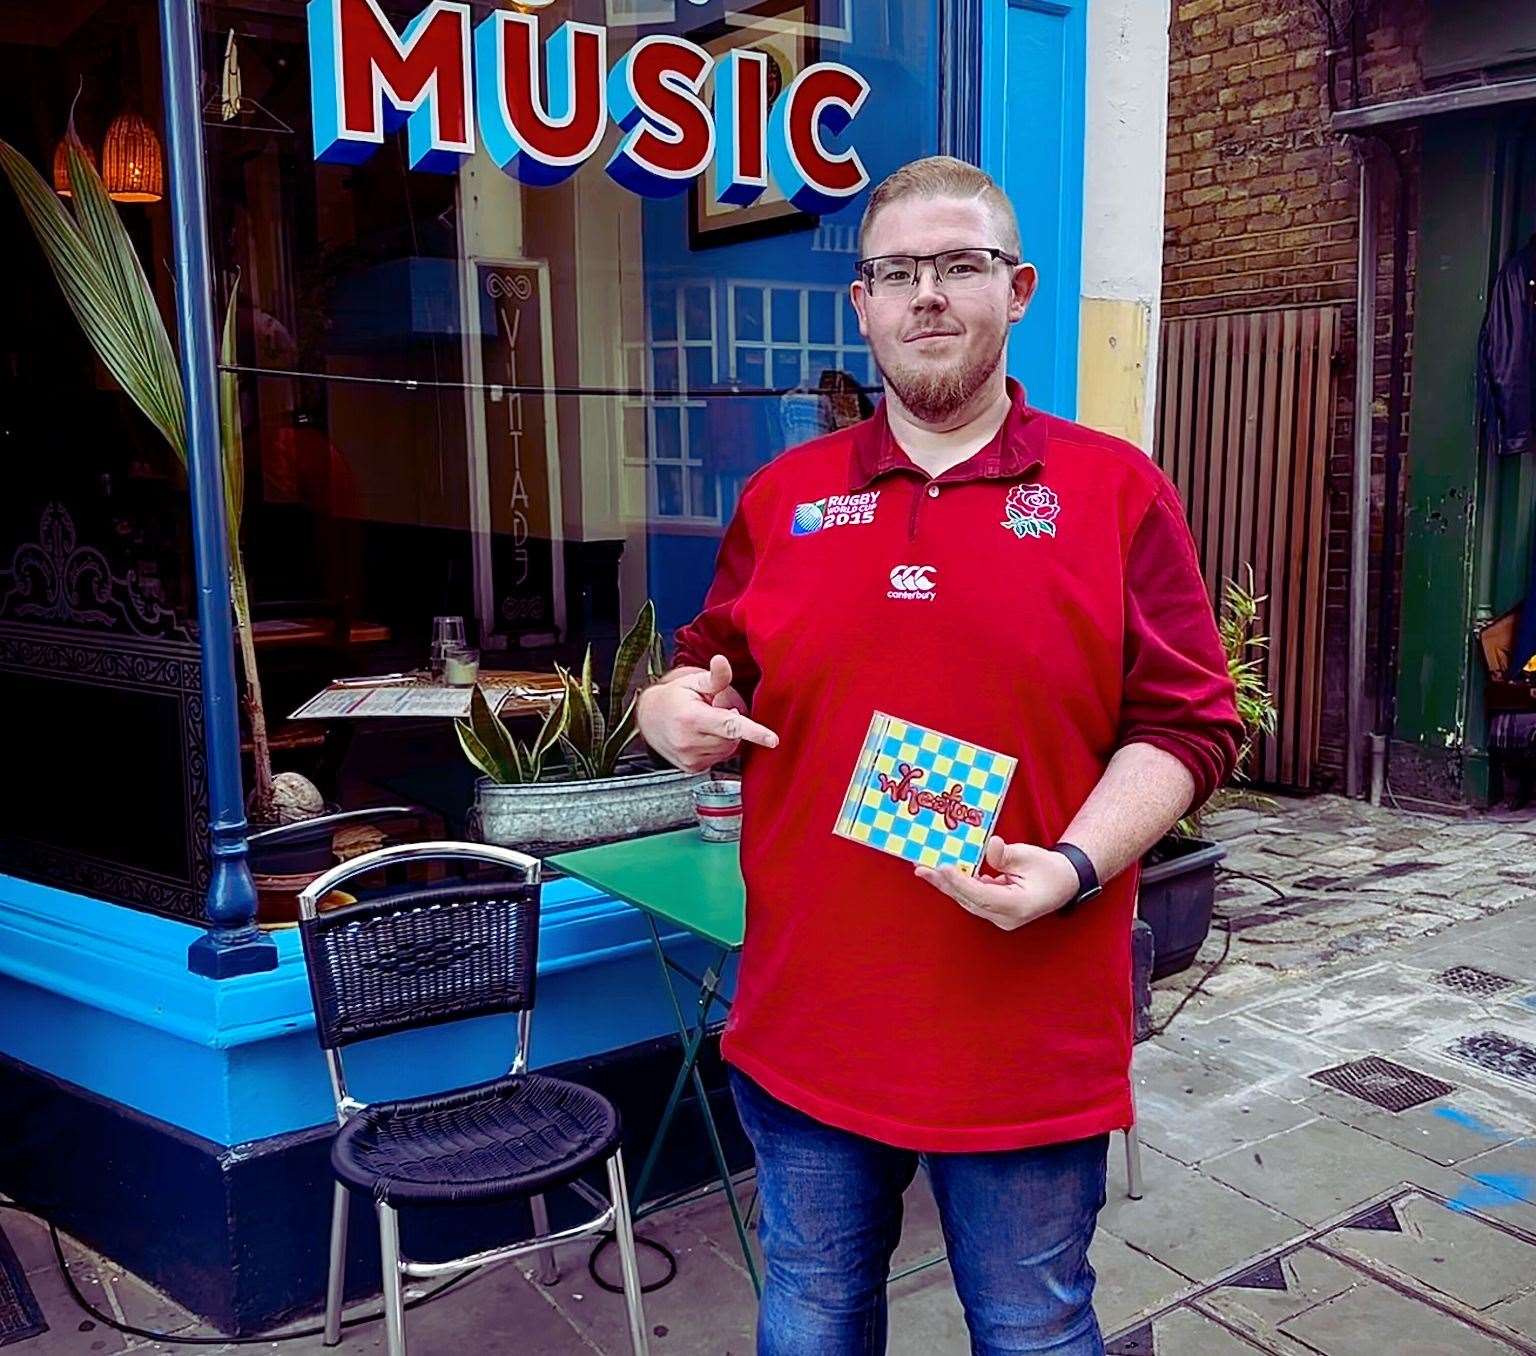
(785,31)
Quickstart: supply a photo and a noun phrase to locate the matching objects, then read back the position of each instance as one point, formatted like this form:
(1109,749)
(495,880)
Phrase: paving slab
(70,1332)
(925,1317)
(1319,1169)
(1398,1273)
(1518,1313)
(1189,1222)
(1129,1282)
(1449,1252)
(707,1309)
(1188,1330)
(1449,1130)
(1389,1321)
(1510,1168)
(1295,1283)
(29,1240)
(1347,998)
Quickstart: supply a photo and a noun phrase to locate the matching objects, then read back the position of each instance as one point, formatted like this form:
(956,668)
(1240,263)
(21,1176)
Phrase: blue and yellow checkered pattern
(870,815)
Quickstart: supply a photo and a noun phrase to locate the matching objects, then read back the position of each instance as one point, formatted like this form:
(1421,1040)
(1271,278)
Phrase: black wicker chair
(419,956)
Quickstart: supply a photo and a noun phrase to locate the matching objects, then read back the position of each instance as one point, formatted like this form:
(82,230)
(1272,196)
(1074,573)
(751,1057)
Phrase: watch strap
(1087,877)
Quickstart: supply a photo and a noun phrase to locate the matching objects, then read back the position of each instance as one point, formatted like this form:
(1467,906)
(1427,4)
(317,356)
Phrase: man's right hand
(694,718)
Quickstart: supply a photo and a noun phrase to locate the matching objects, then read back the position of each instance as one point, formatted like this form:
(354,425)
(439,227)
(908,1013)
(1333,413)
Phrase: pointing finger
(728,724)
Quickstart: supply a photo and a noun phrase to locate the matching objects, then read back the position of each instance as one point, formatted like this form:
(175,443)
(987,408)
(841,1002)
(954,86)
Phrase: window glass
(642,346)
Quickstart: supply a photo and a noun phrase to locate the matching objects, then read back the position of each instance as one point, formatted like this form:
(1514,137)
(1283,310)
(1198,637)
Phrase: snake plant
(592,735)
(105,287)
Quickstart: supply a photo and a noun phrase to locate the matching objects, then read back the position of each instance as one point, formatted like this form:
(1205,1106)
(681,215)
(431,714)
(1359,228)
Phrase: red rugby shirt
(1044,599)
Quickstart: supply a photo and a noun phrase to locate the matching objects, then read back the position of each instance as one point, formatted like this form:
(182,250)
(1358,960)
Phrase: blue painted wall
(1032,137)
(100,996)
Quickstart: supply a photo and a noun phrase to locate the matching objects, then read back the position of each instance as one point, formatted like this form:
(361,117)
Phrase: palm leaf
(103,231)
(231,438)
(103,312)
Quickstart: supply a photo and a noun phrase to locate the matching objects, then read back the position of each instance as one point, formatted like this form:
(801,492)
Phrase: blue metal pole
(232,945)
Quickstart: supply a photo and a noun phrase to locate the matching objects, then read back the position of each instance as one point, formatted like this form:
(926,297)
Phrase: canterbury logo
(912,581)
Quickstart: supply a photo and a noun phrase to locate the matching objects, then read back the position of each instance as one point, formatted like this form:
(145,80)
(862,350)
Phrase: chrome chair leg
(336,1278)
(1132,1163)
(394,1286)
(549,1264)
(623,1228)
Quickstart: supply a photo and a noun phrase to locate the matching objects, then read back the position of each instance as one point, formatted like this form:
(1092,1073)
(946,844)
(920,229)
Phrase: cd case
(924,796)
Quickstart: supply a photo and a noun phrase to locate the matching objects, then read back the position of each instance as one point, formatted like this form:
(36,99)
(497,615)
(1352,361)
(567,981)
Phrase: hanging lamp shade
(61,165)
(131,166)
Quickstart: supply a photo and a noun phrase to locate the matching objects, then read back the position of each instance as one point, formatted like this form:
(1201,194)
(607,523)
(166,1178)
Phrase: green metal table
(680,880)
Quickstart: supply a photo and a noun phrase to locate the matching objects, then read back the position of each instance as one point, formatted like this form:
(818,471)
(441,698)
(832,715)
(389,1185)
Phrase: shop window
(534,405)
(101,712)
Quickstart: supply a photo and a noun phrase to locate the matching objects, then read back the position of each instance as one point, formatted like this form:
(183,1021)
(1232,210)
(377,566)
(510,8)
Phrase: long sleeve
(716,630)
(1177,693)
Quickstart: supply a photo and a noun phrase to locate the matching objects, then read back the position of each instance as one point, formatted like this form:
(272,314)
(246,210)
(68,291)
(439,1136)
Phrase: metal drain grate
(1383,1083)
(1497,1052)
(1469,979)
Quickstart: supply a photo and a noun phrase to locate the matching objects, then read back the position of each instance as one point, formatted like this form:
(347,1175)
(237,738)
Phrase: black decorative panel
(101,718)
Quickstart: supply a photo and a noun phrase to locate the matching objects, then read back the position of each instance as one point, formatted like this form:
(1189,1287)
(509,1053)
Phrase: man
(1009,578)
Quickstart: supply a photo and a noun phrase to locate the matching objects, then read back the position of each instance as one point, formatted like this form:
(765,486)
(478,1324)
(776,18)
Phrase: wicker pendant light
(61,165)
(131,166)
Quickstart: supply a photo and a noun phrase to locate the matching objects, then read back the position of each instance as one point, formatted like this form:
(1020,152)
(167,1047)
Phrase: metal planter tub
(551,816)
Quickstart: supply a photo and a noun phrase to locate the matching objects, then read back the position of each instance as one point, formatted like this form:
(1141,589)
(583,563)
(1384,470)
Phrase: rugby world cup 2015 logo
(834,510)
(1030,511)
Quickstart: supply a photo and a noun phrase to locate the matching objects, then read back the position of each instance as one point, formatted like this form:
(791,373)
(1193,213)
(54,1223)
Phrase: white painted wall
(1125,164)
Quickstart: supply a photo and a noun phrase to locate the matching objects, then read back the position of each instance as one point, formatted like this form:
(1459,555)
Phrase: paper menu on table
(415,701)
(334,701)
(397,700)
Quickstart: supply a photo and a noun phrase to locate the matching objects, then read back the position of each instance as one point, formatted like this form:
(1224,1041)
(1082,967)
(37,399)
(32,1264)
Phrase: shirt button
(933,491)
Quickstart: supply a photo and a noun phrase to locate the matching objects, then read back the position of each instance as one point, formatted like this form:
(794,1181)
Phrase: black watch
(1087,878)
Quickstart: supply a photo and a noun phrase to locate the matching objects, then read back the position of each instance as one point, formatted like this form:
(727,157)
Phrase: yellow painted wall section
(1112,367)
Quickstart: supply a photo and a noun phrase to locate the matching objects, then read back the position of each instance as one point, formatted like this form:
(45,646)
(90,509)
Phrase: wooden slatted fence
(1244,423)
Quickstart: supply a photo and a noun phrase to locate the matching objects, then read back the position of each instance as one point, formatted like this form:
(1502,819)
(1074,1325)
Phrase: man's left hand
(1031,882)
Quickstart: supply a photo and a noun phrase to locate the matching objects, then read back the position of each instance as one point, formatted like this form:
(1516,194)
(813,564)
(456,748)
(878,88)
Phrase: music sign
(540,107)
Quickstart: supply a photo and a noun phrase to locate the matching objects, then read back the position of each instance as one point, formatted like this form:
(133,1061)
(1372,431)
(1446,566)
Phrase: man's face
(935,347)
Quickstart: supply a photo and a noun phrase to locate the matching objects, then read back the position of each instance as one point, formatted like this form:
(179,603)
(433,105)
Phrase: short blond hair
(942,176)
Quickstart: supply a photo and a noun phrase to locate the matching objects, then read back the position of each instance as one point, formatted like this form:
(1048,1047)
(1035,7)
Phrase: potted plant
(1178,874)
(104,284)
(577,782)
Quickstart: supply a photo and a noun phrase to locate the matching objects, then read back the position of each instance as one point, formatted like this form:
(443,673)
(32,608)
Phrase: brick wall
(1261,211)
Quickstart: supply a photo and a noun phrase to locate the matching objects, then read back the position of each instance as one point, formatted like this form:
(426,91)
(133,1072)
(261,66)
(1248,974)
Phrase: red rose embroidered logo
(1030,511)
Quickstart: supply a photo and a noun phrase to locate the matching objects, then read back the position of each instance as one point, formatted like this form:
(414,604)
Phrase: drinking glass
(446,633)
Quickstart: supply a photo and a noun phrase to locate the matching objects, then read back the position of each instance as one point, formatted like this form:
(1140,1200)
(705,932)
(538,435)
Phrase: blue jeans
(1017,1225)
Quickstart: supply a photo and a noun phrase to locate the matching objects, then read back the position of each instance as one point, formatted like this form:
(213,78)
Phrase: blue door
(1033,54)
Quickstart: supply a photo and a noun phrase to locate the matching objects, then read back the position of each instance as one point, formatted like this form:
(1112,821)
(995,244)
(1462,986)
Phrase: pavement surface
(1338,1138)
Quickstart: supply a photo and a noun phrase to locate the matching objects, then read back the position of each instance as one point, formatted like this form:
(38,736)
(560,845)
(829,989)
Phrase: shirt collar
(1016,449)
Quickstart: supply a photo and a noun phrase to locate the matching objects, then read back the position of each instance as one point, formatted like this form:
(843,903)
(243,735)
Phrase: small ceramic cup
(718,806)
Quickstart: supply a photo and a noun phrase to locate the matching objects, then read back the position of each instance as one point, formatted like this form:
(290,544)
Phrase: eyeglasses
(968,270)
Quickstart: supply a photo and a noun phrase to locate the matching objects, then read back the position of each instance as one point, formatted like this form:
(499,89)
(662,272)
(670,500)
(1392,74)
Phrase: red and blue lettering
(653,94)
(822,98)
(741,128)
(539,141)
(365,80)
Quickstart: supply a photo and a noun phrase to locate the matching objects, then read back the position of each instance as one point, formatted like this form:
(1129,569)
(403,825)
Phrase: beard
(933,396)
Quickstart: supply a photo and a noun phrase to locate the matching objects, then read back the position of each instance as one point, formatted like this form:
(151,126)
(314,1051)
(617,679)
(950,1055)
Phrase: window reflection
(535,406)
